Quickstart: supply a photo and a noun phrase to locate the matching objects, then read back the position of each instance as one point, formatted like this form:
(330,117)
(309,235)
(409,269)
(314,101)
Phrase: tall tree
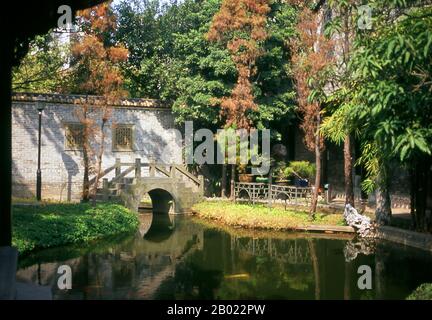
(202,72)
(312,59)
(387,101)
(96,71)
(343,16)
(241,27)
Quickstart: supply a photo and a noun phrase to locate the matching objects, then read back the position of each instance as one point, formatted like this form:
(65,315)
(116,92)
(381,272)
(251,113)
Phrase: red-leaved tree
(95,71)
(312,55)
(240,25)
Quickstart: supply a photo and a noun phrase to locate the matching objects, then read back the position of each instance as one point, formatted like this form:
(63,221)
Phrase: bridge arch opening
(161,225)
(162,201)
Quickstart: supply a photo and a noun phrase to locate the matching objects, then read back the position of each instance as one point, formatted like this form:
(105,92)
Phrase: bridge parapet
(133,180)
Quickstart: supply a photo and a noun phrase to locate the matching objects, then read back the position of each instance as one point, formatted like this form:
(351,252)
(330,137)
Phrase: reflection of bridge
(134,269)
(171,187)
(154,262)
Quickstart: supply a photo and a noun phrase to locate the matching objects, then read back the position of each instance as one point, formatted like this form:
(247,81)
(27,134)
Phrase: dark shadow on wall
(20,187)
(148,142)
(52,133)
(72,170)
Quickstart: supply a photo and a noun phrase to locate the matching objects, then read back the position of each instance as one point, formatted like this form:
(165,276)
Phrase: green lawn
(51,225)
(260,216)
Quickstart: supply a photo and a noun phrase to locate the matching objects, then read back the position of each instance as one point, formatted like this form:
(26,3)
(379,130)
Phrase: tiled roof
(82,99)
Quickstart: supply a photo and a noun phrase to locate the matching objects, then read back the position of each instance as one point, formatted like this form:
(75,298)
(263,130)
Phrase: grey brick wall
(62,170)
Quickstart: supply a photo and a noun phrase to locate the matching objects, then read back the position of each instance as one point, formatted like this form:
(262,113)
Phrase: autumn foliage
(94,58)
(312,55)
(96,71)
(241,26)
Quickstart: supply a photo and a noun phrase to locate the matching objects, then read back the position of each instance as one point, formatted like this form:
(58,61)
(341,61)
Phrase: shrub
(51,225)
(423,292)
(300,169)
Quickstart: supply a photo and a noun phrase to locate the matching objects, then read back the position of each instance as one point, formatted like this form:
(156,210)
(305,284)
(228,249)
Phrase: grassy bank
(262,217)
(51,225)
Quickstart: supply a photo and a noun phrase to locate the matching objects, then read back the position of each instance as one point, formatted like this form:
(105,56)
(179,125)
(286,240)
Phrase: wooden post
(201,179)
(105,189)
(137,169)
(152,168)
(253,193)
(173,171)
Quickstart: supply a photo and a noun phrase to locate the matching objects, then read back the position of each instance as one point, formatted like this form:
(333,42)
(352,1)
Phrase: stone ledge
(8,265)
(328,229)
(406,237)
(82,99)
(31,291)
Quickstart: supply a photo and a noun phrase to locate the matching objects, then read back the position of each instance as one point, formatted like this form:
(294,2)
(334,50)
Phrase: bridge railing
(135,170)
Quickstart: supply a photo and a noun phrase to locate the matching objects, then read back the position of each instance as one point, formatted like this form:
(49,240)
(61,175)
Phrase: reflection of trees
(259,276)
(204,263)
(315,264)
(294,252)
(266,268)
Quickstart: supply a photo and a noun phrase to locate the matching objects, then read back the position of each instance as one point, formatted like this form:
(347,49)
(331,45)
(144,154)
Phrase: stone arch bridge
(171,187)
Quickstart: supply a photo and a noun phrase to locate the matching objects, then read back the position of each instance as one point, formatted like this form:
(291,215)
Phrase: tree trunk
(348,171)
(318,170)
(86,182)
(224,181)
(99,161)
(383,202)
(363,195)
(6,142)
(232,184)
(348,153)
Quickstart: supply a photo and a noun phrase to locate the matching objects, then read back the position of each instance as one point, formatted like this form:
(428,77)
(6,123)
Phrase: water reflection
(183,259)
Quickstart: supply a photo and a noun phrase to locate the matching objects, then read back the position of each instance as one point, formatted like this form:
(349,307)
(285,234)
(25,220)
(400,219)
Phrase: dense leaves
(44,68)
(95,70)
(171,59)
(50,225)
(394,70)
(386,100)
(240,25)
(423,292)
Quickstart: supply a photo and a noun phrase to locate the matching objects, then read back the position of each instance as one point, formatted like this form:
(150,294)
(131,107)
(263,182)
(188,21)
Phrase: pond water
(185,258)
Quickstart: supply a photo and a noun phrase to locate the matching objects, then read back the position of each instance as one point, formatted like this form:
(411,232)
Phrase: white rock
(361,223)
